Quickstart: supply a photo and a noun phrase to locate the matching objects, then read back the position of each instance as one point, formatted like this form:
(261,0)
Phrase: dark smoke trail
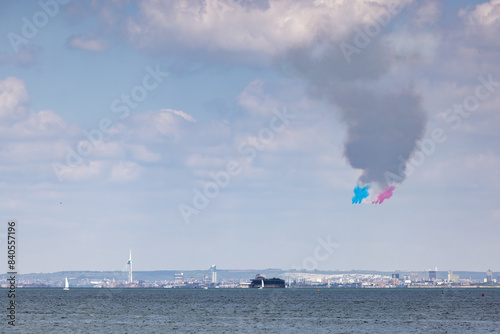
(383,129)
(383,124)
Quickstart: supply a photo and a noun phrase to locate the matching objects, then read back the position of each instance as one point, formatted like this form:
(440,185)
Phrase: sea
(323,310)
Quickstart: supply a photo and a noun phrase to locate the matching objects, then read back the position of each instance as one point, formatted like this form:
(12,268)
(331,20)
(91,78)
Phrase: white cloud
(123,148)
(26,56)
(42,124)
(108,149)
(428,13)
(482,24)
(180,113)
(88,44)
(19,152)
(253,99)
(124,171)
(485,14)
(141,153)
(28,137)
(153,126)
(115,171)
(13,100)
(18,122)
(253,34)
(83,172)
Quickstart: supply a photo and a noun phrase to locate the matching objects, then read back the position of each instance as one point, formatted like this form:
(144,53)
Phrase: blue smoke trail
(360,194)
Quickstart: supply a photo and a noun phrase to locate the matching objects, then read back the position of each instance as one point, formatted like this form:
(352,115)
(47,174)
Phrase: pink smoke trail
(384,195)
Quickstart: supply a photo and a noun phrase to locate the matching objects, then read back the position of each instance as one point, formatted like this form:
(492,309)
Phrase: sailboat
(66,284)
(262,287)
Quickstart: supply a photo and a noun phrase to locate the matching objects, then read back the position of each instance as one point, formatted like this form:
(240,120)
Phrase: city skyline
(235,132)
(241,278)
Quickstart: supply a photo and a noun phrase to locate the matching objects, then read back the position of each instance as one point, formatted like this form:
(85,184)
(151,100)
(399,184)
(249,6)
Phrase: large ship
(261,282)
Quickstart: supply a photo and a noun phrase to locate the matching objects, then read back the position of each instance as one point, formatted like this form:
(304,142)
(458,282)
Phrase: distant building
(395,279)
(498,278)
(489,276)
(179,278)
(213,270)
(414,277)
(450,275)
(432,275)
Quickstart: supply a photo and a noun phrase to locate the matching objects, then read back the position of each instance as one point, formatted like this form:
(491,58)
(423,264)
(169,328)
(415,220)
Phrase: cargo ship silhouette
(260,281)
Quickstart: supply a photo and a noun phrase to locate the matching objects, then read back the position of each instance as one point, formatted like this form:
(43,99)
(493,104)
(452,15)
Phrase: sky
(233,132)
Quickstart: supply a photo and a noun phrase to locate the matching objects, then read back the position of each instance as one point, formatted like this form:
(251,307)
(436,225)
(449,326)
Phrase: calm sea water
(257,311)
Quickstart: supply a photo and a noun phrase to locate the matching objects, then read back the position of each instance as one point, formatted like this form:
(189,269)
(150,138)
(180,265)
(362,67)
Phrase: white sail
(66,284)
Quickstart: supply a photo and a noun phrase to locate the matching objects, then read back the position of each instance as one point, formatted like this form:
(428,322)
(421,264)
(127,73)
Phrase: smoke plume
(382,111)
(382,131)
(360,194)
(384,195)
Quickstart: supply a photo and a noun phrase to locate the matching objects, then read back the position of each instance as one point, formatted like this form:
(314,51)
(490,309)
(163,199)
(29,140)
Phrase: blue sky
(263,95)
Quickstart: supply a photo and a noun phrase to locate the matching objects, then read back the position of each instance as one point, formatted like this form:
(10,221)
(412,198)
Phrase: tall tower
(129,265)
(489,276)
(213,270)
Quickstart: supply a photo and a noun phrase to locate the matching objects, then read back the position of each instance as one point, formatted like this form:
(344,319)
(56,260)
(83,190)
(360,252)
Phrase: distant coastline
(227,278)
